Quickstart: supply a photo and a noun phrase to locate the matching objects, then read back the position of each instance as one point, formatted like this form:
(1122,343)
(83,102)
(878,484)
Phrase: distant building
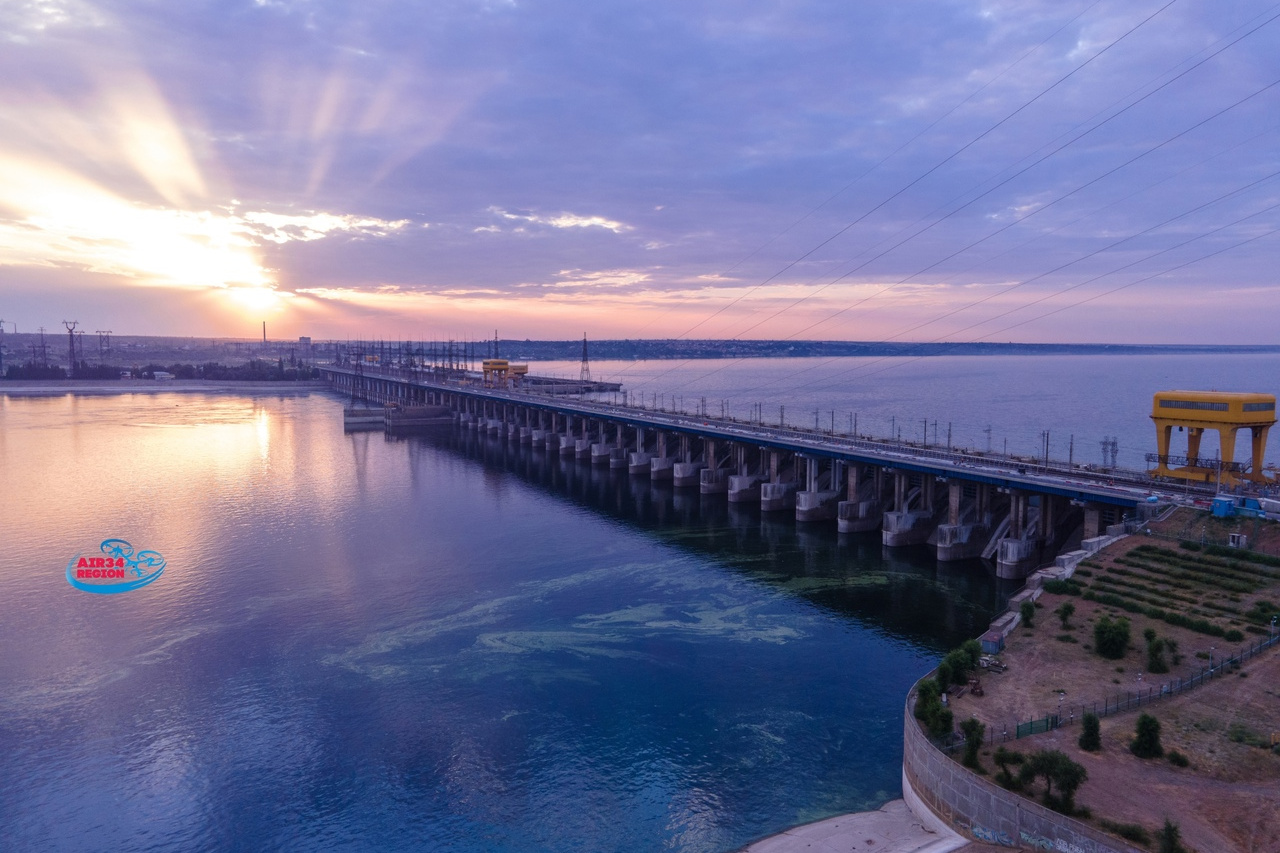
(162,374)
(304,340)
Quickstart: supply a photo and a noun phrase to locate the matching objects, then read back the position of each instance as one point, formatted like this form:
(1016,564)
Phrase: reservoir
(444,642)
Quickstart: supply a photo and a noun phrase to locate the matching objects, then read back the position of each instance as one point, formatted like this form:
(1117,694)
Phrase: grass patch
(1128,831)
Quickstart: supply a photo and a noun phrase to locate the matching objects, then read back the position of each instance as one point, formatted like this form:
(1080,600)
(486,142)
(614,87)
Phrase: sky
(925,170)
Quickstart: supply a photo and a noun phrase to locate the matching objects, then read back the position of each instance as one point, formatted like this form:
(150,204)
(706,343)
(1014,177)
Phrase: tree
(1170,838)
(1090,738)
(974,732)
(1003,758)
(1028,611)
(1155,652)
(1146,744)
(929,709)
(1111,638)
(1056,768)
(944,675)
(1065,612)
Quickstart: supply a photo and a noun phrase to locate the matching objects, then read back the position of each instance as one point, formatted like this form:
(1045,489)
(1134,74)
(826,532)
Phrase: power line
(988,131)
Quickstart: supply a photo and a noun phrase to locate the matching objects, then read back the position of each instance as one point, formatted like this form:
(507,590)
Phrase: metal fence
(1130,700)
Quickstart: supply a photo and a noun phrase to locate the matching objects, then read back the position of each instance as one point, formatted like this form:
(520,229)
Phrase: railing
(1118,704)
(816,439)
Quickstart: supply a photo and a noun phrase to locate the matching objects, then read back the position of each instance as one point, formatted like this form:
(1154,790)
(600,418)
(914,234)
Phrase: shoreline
(106,387)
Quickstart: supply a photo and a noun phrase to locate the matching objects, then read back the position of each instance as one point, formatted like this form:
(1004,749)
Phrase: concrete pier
(776,497)
(639,462)
(686,474)
(661,468)
(744,488)
(712,481)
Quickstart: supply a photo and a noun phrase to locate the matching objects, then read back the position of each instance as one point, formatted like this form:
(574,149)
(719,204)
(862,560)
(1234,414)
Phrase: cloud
(562,220)
(686,157)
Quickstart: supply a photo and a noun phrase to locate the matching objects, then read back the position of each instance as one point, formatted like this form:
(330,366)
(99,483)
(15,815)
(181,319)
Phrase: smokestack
(264,333)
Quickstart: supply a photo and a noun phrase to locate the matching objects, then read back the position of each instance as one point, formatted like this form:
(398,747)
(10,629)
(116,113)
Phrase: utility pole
(71,341)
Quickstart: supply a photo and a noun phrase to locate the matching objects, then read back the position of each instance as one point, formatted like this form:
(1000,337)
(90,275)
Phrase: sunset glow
(349,178)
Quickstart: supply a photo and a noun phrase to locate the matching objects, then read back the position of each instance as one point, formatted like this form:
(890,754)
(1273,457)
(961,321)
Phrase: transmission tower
(71,346)
(585,375)
(104,343)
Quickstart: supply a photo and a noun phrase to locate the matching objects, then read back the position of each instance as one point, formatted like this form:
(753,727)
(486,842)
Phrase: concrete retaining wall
(984,811)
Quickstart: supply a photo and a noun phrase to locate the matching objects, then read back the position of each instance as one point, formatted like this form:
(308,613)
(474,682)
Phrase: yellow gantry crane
(1224,411)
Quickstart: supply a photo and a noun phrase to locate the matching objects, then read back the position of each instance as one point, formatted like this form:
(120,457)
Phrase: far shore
(100,387)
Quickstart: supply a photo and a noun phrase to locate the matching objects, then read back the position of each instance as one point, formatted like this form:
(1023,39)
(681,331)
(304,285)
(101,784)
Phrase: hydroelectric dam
(964,503)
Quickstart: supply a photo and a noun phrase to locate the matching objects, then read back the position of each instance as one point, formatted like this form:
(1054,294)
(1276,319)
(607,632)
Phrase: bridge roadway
(973,519)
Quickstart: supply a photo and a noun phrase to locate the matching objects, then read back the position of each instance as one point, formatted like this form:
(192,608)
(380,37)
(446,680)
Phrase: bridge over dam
(964,503)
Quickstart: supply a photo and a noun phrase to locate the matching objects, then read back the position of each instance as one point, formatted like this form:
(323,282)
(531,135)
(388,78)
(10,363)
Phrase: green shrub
(1111,638)
(1233,636)
(1177,759)
(1090,737)
(1170,838)
(974,732)
(1065,612)
(1155,652)
(1056,768)
(1028,611)
(1146,744)
(1003,758)
(1129,831)
(929,709)
(1063,587)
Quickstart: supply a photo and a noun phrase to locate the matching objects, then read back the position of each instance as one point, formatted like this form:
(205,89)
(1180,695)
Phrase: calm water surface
(434,643)
(445,643)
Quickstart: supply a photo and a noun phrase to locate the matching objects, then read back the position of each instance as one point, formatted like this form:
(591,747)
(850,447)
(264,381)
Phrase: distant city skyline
(978,170)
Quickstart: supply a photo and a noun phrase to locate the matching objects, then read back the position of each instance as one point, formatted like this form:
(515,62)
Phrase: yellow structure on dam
(1224,411)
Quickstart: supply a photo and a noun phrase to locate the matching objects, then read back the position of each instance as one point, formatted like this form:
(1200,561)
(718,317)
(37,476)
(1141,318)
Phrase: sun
(257,300)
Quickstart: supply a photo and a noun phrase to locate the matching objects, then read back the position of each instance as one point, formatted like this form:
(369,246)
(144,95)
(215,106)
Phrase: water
(444,643)
(1078,399)
(429,644)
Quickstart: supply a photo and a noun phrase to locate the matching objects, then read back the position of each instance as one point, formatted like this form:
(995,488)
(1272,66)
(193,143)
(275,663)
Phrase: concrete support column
(955,491)
(1092,521)
(1017,514)
(899,491)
